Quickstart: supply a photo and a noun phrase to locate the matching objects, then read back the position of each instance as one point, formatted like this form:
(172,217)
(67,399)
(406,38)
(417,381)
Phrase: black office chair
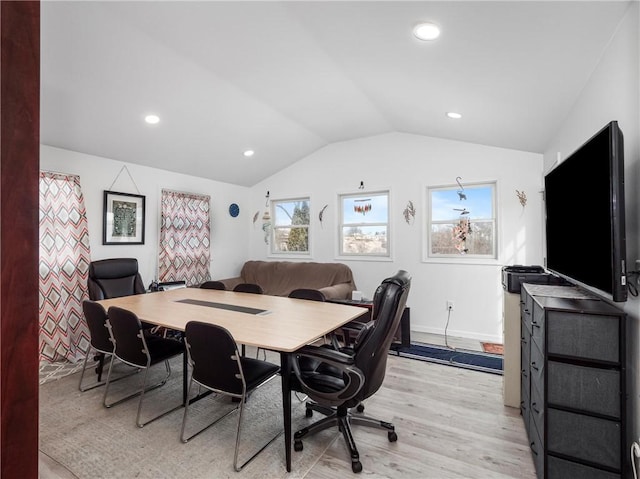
(100,342)
(113,278)
(213,285)
(248,288)
(310,294)
(217,366)
(338,381)
(132,346)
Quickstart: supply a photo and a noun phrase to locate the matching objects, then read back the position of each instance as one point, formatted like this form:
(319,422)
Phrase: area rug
(489,363)
(493,348)
(92,441)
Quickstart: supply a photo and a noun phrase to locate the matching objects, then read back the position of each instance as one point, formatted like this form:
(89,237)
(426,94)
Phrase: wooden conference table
(270,322)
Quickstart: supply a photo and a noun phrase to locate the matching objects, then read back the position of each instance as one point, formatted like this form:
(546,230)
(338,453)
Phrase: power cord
(632,281)
(635,453)
(446,326)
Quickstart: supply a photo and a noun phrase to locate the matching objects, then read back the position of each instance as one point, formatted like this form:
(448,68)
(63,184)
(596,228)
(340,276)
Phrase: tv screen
(585,222)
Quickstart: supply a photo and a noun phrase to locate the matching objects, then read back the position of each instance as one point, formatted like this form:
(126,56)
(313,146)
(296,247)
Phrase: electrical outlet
(449,305)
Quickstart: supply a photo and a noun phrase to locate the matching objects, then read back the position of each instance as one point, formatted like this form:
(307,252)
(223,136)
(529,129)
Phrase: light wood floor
(450,422)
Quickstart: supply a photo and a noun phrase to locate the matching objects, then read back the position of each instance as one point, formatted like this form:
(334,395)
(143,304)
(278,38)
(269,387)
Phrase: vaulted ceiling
(287,78)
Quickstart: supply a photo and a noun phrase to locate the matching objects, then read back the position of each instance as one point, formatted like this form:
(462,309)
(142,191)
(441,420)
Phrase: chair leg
(99,383)
(184,418)
(134,394)
(235,456)
(142,424)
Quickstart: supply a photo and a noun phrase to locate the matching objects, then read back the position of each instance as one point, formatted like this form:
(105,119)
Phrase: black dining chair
(248,288)
(132,346)
(214,285)
(217,366)
(100,343)
(338,381)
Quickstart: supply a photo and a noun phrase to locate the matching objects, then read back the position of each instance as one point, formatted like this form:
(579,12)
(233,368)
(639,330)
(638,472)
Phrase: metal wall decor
(522,197)
(409,213)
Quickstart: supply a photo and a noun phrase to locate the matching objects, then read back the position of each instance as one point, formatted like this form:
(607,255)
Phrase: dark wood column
(19,242)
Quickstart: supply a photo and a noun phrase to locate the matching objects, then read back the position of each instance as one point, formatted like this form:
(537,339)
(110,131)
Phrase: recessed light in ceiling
(248,153)
(426,31)
(454,115)
(152,119)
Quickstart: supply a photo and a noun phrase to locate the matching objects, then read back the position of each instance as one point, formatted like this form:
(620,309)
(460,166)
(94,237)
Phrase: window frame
(272,234)
(429,256)
(342,224)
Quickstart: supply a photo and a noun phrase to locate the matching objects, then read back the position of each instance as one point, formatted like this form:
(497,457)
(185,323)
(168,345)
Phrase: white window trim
(272,234)
(463,258)
(339,224)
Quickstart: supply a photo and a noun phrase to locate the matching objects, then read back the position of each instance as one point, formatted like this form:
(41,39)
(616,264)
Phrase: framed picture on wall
(123,218)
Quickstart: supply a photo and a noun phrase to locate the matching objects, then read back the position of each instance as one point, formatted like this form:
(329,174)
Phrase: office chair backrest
(126,330)
(373,342)
(213,285)
(248,288)
(113,278)
(214,356)
(96,317)
(310,294)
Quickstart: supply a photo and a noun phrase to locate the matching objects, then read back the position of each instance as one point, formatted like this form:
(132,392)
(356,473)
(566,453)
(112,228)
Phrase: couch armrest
(231,283)
(338,291)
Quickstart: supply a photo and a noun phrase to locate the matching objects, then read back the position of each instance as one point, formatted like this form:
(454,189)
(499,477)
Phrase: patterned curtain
(184,238)
(64,266)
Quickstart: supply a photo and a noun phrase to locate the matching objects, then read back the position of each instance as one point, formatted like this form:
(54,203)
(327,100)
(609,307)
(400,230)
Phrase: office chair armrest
(334,378)
(327,355)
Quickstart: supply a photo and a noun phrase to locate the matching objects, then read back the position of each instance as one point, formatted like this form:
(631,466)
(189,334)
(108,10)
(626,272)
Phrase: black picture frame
(123,219)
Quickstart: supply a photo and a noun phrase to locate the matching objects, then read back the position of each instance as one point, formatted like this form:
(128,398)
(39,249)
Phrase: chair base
(343,419)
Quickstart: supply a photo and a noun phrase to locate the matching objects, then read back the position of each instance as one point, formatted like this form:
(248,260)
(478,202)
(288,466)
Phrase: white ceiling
(287,78)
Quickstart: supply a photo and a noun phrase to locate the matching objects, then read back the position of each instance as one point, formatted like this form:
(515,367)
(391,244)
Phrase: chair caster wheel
(360,407)
(356,466)
(297,445)
(393,437)
(308,412)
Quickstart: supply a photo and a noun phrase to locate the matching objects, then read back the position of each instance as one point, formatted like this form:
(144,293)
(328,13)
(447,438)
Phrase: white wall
(229,243)
(406,164)
(613,93)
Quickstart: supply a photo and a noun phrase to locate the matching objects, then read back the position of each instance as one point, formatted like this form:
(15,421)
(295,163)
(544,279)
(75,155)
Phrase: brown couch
(279,278)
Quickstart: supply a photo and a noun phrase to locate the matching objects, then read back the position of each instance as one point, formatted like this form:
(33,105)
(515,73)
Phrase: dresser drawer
(536,411)
(588,389)
(537,367)
(560,469)
(584,437)
(537,326)
(537,450)
(583,336)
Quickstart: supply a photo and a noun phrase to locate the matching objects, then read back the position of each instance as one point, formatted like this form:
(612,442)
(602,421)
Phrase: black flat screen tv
(585,216)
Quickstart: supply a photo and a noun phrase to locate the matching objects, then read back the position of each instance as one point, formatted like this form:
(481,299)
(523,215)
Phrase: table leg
(285,372)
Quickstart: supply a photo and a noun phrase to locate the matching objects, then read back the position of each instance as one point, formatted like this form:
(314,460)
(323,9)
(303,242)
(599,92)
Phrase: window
(364,224)
(290,226)
(462,221)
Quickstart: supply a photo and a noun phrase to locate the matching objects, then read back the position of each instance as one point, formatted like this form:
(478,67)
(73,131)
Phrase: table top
(270,322)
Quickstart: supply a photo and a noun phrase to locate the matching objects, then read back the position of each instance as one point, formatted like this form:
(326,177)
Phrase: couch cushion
(279,278)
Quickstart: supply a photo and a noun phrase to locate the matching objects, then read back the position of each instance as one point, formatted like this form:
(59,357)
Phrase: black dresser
(573,385)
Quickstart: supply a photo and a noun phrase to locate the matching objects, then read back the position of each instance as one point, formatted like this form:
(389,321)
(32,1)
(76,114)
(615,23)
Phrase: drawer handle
(533,366)
(533,406)
(535,325)
(533,449)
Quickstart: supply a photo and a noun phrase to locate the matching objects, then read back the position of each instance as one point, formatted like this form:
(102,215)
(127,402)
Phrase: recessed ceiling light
(454,115)
(248,153)
(426,31)
(152,119)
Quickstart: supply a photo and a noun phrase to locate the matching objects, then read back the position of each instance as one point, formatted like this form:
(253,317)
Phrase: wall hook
(361,187)
(266,203)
